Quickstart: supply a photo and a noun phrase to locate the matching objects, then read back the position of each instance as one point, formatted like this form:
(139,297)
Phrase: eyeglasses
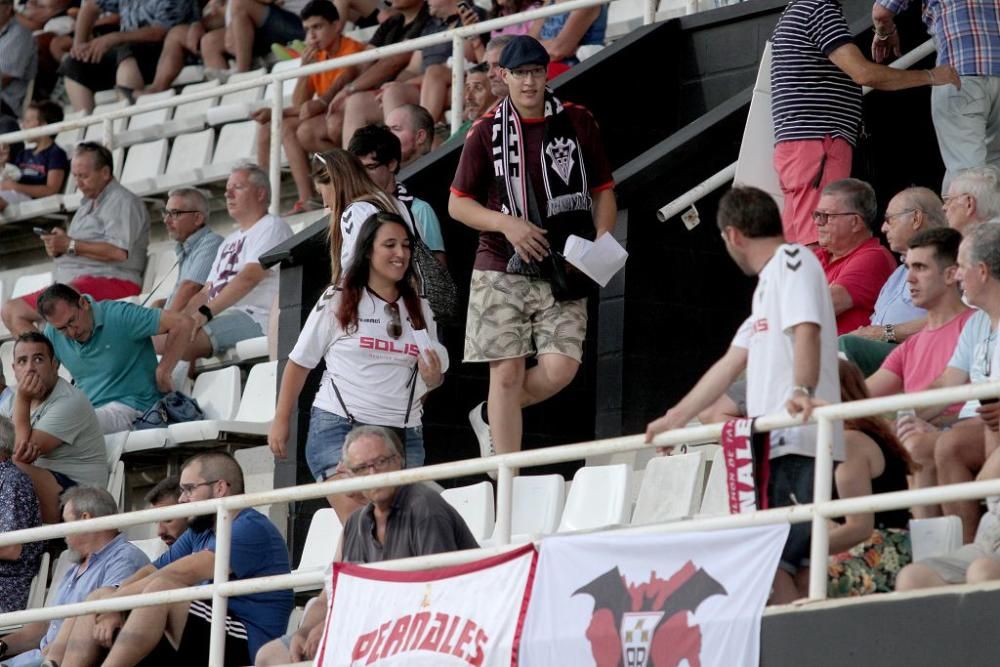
(534,73)
(175,213)
(947,199)
(889,217)
(378,465)
(823,217)
(394,327)
(188,489)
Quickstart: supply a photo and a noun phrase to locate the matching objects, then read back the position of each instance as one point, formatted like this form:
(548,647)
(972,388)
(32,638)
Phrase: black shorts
(62,480)
(791,483)
(101,75)
(194,644)
(280,27)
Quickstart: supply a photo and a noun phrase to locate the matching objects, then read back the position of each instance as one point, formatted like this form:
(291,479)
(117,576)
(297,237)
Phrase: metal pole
(457,81)
(277,111)
(710,184)
(505,488)
(220,603)
(822,488)
(649,11)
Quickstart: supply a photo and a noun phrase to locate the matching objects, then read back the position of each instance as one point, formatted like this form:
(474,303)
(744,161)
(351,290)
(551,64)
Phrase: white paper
(423,341)
(599,260)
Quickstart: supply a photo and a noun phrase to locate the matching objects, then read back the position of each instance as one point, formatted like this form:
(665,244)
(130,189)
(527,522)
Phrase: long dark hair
(853,388)
(356,278)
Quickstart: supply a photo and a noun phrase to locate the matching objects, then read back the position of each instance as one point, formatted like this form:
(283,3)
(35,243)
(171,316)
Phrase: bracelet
(930,75)
(882,36)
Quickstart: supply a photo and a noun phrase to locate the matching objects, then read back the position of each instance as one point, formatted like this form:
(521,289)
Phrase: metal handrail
(817,512)
(455,36)
(726,174)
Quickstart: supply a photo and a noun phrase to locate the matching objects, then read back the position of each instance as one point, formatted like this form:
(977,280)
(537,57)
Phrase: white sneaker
(482,431)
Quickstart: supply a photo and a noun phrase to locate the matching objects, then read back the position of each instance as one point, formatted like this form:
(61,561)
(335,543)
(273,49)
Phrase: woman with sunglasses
(352,196)
(379,341)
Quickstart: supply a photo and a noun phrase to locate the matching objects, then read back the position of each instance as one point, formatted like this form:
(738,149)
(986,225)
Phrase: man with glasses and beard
(398,522)
(103,559)
(179,633)
(381,153)
(103,252)
(186,219)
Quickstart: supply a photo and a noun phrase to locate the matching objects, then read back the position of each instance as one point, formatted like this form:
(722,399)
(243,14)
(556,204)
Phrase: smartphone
(463,5)
(989,401)
(39,231)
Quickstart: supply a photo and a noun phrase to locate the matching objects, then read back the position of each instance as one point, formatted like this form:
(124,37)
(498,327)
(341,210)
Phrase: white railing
(818,512)
(455,36)
(726,174)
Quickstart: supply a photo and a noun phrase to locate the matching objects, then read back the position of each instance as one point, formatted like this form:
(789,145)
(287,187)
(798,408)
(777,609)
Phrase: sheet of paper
(599,260)
(423,340)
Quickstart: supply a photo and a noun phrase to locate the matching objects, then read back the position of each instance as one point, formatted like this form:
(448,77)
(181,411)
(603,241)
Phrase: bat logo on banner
(646,625)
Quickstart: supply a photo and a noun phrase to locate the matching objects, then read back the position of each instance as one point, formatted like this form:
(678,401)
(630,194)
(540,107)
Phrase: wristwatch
(206,311)
(804,389)
(889,333)
(71,250)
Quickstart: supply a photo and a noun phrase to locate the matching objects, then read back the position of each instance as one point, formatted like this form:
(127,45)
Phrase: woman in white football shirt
(377,367)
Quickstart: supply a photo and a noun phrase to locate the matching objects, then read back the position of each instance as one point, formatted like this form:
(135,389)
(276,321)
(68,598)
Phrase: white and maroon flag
(607,600)
(469,614)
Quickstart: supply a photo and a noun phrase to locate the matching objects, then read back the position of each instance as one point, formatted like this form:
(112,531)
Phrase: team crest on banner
(466,615)
(683,599)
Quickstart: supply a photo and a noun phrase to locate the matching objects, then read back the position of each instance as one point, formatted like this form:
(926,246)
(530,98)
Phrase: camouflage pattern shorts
(512,316)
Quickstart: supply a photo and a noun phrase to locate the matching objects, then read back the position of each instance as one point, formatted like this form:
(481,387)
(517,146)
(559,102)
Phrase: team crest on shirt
(560,152)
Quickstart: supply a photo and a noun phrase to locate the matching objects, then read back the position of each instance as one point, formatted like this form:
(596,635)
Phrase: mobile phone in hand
(464,6)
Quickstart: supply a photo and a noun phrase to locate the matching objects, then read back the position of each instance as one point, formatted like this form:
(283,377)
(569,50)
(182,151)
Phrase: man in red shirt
(554,178)
(855,263)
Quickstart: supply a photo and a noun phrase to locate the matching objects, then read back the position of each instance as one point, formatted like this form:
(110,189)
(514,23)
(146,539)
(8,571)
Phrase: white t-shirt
(351,221)
(244,247)
(372,370)
(791,290)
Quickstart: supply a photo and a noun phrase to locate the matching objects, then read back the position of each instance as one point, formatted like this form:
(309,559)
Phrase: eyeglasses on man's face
(533,72)
(381,464)
(889,217)
(175,213)
(188,489)
(823,217)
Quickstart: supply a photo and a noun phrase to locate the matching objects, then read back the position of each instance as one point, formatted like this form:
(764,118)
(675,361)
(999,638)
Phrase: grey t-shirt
(116,217)
(421,522)
(68,415)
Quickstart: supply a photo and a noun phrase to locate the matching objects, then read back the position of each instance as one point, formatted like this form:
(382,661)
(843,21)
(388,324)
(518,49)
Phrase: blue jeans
(325,441)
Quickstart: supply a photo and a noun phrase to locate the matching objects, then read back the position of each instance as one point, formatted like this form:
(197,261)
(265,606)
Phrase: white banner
(469,614)
(651,600)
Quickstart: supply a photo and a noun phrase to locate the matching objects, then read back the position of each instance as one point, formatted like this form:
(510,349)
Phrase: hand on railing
(673,419)
(802,404)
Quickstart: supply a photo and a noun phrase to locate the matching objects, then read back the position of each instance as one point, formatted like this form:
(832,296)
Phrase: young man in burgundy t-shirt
(559,145)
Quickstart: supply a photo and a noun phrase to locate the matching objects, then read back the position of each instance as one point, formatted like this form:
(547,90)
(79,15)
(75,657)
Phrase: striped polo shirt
(810,96)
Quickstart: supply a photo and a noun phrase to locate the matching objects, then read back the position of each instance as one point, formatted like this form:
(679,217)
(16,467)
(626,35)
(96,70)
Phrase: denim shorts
(327,433)
(230,327)
(280,26)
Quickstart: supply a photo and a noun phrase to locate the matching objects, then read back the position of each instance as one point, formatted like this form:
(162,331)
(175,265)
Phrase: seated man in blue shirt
(106,559)
(108,348)
(895,318)
(179,633)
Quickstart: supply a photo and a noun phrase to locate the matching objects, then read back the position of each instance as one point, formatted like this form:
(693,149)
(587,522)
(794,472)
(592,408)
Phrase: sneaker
(482,431)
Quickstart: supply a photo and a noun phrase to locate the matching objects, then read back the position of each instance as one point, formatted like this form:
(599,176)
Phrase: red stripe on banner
(416,576)
(526,598)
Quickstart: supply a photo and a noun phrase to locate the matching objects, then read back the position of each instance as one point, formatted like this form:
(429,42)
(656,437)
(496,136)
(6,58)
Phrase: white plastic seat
(68,139)
(161,259)
(189,154)
(475,504)
(105,96)
(671,488)
(95,132)
(31,283)
(288,85)
(936,536)
(237,143)
(253,417)
(190,116)
(715,500)
(598,498)
(251,348)
(321,540)
(154,547)
(7,360)
(116,483)
(62,565)
(218,396)
(189,74)
(147,125)
(39,583)
(142,166)
(239,105)
(115,445)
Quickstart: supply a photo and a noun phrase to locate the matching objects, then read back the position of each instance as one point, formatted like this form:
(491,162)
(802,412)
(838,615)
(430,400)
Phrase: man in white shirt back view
(788,347)
(236,301)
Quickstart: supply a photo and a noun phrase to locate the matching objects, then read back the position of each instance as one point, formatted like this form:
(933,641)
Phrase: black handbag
(174,408)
